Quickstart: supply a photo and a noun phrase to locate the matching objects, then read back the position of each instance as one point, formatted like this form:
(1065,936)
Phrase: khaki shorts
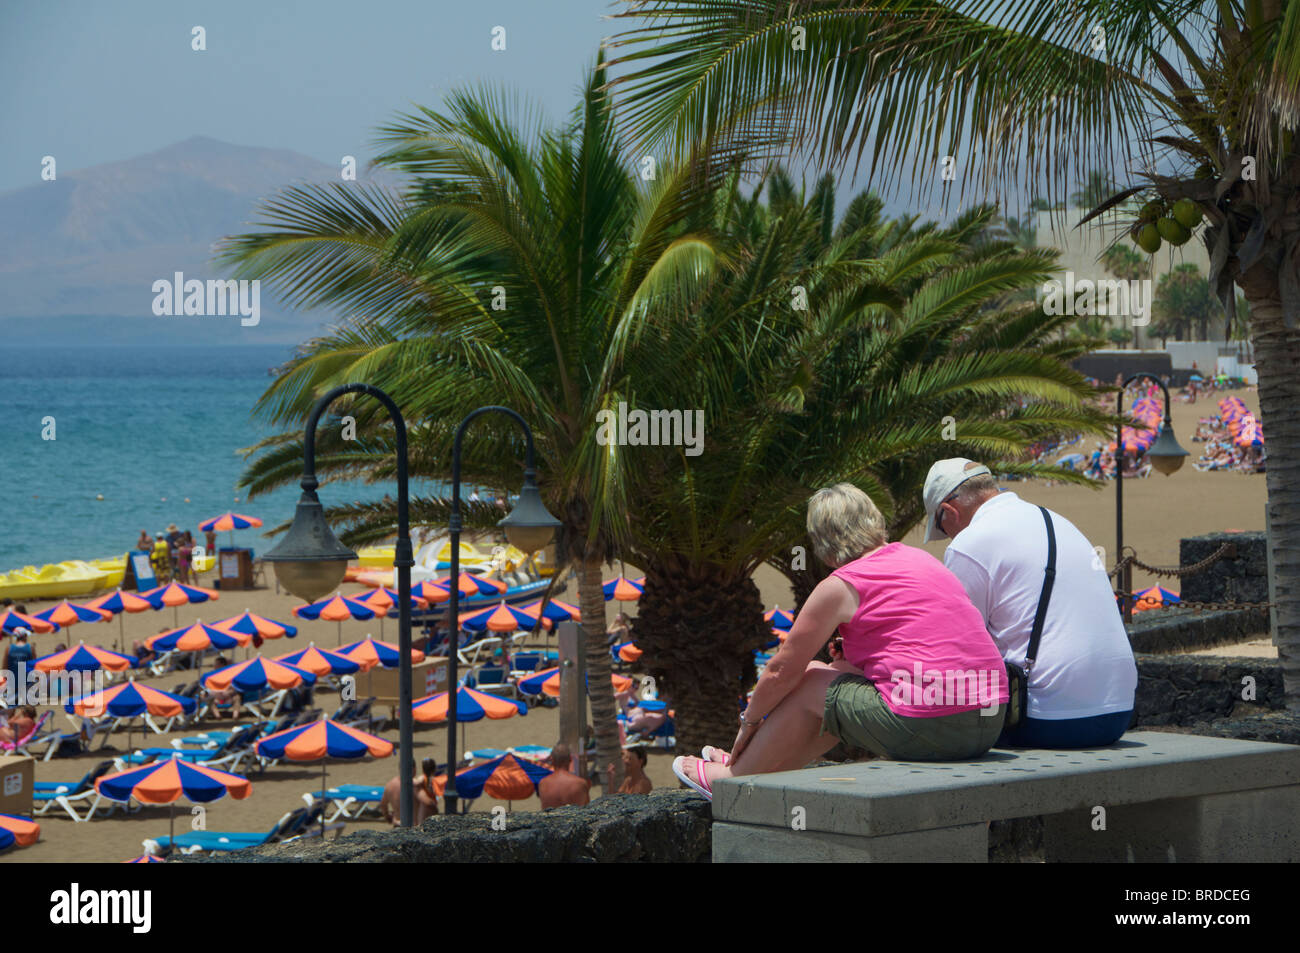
(857,715)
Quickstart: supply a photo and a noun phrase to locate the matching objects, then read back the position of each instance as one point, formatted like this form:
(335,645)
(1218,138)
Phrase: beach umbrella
(145,859)
(130,700)
(623,589)
(69,613)
(431,592)
(471,705)
(11,620)
(320,662)
(627,651)
(177,594)
(505,778)
(257,627)
(502,618)
(257,673)
(369,653)
(22,831)
(556,611)
(320,741)
(196,638)
(166,782)
(388,598)
(119,602)
(780,618)
(1153,598)
(338,608)
(472,585)
(84,658)
(229,522)
(548,682)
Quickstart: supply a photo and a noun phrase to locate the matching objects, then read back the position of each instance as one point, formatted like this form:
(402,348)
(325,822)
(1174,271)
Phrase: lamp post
(1166,456)
(310,562)
(529,526)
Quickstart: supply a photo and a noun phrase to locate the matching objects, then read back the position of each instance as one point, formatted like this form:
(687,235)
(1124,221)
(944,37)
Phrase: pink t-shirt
(917,636)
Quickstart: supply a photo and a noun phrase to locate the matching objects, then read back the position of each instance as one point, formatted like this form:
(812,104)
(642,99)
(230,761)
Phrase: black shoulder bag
(1017,677)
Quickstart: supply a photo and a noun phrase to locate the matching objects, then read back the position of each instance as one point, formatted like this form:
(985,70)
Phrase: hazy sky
(91,82)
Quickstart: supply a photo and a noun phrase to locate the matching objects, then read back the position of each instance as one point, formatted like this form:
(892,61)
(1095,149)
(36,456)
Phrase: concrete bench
(1166,797)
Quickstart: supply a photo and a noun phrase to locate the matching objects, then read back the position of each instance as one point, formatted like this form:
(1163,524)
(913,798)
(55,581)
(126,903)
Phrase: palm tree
(524,266)
(1201,97)
(1183,300)
(861,386)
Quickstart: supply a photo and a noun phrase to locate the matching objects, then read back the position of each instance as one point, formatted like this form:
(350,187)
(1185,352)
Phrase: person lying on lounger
(920,678)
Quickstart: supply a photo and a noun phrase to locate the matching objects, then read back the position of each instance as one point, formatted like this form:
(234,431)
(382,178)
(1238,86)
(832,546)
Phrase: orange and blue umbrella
(338,608)
(145,859)
(229,522)
(779,618)
(257,627)
(431,592)
(471,585)
(556,611)
(84,658)
(471,705)
(319,741)
(502,618)
(626,651)
(369,653)
(22,831)
(130,700)
(119,602)
(506,778)
(68,613)
(320,662)
(177,594)
(258,673)
(1153,598)
(389,598)
(548,682)
(166,782)
(623,589)
(196,638)
(11,620)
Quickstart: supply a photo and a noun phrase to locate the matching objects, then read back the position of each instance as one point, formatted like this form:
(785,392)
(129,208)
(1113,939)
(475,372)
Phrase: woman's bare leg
(791,736)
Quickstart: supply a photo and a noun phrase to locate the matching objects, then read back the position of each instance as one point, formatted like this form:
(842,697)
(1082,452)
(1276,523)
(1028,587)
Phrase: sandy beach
(1159,511)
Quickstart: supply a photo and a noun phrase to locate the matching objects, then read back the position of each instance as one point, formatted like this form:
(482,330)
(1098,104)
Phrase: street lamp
(529,526)
(1167,456)
(310,562)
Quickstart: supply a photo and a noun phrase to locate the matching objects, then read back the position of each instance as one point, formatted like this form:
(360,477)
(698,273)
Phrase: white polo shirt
(1085,665)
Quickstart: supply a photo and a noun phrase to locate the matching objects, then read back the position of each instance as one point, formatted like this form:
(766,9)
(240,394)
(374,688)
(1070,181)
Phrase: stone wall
(665,826)
(1192,689)
(1180,630)
(1243,579)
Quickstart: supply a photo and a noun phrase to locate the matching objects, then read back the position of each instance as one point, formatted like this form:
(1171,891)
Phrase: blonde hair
(843,524)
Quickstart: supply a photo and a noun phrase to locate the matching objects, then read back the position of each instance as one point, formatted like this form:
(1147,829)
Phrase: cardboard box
(427,678)
(17,775)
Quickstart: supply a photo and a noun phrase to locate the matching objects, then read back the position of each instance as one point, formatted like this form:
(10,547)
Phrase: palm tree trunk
(1277,354)
(600,690)
(698,627)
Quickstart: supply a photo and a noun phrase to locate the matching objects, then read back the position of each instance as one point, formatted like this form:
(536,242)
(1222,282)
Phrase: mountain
(79,255)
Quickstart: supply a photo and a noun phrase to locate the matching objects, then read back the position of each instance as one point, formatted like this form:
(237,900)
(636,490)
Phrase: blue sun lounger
(220,841)
(350,800)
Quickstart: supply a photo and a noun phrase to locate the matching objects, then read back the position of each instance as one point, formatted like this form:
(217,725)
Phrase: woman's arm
(833,602)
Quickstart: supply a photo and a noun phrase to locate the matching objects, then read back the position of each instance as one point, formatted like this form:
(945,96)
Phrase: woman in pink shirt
(916,675)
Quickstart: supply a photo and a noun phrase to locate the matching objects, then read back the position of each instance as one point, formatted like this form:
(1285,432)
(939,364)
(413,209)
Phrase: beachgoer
(562,786)
(173,548)
(426,796)
(18,652)
(19,726)
(1082,685)
(210,540)
(634,777)
(159,558)
(183,554)
(620,630)
(919,678)
(230,695)
(144,543)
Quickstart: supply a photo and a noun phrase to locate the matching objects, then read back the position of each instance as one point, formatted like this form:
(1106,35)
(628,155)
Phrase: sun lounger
(48,795)
(220,841)
(228,755)
(33,737)
(350,800)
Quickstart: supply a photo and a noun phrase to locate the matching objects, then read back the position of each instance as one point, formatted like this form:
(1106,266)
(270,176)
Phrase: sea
(157,432)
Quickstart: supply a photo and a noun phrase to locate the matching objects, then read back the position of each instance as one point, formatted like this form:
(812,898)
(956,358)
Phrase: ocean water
(143,427)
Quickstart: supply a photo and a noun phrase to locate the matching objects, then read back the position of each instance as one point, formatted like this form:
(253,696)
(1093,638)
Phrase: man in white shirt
(1082,685)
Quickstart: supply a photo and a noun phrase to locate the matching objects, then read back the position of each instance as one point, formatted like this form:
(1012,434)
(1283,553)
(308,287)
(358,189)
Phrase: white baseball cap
(944,477)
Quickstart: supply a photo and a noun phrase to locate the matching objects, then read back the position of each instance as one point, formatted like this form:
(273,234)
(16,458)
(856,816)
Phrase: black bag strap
(1049,577)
